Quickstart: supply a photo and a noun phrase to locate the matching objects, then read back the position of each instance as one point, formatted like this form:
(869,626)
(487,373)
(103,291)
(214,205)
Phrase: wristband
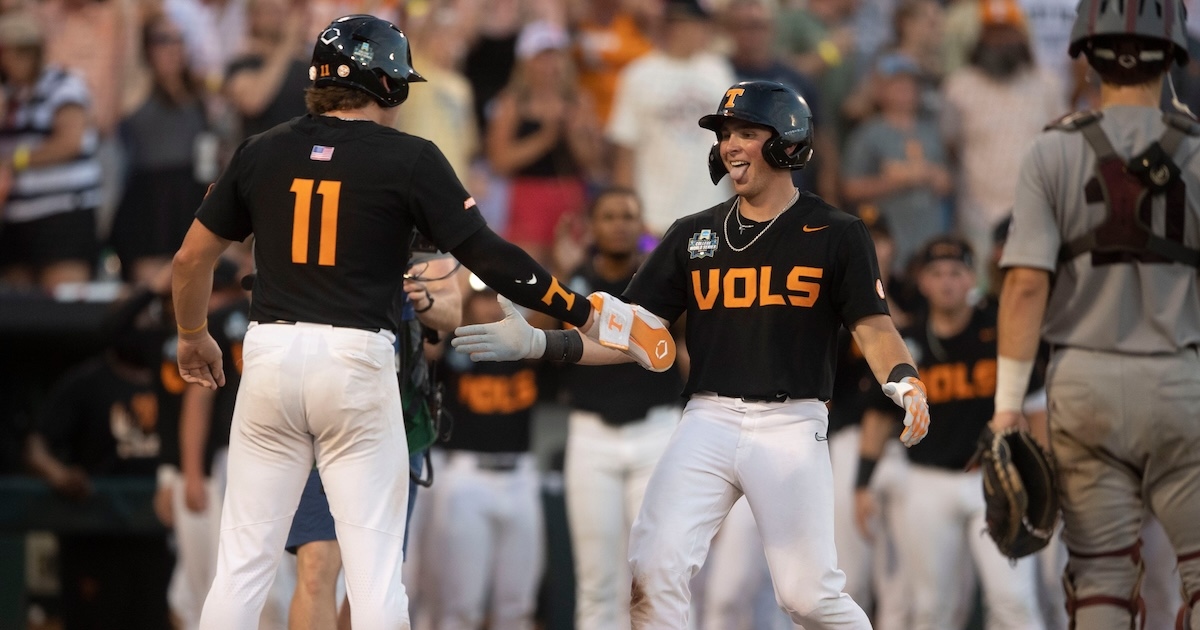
(565,346)
(902,371)
(866,467)
(1012,383)
(192,331)
(20,157)
(166,475)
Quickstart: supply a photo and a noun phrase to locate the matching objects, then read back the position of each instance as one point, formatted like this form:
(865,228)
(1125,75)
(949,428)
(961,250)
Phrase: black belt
(371,330)
(776,398)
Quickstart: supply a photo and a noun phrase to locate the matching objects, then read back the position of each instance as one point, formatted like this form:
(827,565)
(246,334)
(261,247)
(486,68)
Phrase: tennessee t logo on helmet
(731,94)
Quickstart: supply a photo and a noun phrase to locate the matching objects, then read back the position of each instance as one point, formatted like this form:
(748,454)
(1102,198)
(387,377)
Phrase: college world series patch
(703,244)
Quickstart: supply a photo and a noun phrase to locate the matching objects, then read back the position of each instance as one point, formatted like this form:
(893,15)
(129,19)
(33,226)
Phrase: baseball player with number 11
(765,279)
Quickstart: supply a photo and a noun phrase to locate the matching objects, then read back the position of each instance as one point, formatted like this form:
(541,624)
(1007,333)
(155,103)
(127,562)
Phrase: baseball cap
(893,64)
(1001,13)
(20,29)
(946,248)
(540,36)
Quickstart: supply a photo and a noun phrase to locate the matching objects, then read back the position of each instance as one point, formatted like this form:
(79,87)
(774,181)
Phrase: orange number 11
(329,192)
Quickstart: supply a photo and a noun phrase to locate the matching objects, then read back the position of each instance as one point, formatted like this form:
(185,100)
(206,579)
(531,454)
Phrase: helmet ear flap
(775,152)
(716,166)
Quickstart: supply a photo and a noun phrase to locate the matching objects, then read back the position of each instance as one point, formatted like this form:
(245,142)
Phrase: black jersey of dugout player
(762,322)
(591,387)
(853,385)
(490,404)
(332,204)
(960,379)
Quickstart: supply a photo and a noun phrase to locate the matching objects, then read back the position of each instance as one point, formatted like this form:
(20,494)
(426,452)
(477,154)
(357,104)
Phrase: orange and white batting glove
(632,330)
(909,394)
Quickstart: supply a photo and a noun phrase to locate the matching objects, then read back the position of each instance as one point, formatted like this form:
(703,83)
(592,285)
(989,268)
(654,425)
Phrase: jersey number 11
(329,191)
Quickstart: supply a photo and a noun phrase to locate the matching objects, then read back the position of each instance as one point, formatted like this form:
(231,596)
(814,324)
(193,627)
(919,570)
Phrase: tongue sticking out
(738,173)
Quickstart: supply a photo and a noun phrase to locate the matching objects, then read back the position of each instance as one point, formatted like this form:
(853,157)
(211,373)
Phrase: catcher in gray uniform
(1108,204)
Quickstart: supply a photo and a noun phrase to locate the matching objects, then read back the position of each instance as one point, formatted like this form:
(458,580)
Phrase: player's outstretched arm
(513,339)
(615,324)
(894,367)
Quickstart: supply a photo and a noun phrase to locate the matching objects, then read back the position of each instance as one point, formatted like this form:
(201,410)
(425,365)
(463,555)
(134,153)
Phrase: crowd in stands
(116,115)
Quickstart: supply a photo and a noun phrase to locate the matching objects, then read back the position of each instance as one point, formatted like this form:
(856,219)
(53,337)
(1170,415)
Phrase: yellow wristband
(20,157)
(192,331)
(829,53)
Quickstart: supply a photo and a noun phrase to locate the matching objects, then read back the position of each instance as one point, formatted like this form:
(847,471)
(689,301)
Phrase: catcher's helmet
(772,105)
(365,53)
(1130,41)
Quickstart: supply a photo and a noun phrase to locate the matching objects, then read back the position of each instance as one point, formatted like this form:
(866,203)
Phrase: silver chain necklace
(734,208)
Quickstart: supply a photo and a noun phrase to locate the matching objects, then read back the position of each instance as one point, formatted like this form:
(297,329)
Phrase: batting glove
(909,394)
(633,330)
(510,339)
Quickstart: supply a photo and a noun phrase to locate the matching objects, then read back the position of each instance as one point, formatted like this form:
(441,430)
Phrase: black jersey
(960,379)
(332,204)
(763,322)
(592,387)
(228,327)
(853,385)
(490,404)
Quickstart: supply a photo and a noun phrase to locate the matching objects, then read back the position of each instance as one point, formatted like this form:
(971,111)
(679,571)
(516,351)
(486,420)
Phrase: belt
(284,321)
(780,397)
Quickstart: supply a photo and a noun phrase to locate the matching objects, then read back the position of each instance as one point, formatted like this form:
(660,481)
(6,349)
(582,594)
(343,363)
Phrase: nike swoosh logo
(821,438)
(814,229)
(532,279)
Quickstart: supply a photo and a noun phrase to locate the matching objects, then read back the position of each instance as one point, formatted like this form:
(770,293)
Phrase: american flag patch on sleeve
(320,153)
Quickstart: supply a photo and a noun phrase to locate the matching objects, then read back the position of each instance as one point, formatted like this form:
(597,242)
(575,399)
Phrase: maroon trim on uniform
(1095,11)
(1135,606)
(1131,15)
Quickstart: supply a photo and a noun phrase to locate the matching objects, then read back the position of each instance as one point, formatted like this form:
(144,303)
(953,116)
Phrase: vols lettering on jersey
(746,287)
(775,294)
(487,394)
(959,380)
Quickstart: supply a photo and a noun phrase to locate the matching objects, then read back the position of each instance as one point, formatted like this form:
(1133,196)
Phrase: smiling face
(741,148)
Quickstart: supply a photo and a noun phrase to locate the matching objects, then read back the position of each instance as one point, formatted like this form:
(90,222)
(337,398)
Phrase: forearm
(596,354)
(64,143)
(515,275)
(39,459)
(195,420)
(623,167)
(881,345)
(1022,306)
(251,91)
(861,189)
(877,427)
(508,155)
(192,275)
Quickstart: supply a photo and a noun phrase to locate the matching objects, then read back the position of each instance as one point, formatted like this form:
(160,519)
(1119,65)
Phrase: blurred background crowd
(115,115)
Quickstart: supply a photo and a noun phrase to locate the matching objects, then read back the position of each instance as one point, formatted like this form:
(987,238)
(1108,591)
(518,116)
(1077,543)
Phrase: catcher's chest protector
(1127,189)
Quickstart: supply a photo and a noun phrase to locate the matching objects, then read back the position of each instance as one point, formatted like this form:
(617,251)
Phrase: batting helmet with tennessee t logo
(772,105)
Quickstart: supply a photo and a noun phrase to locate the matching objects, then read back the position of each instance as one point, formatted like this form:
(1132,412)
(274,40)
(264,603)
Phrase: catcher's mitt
(1020,489)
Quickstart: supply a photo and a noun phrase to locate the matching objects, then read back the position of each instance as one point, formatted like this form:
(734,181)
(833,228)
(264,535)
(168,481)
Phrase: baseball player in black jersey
(765,279)
(1108,206)
(954,344)
(331,199)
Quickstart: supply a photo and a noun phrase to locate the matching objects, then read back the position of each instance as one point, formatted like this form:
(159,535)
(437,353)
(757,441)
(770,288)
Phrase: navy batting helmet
(769,104)
(367,54)
(1130,41)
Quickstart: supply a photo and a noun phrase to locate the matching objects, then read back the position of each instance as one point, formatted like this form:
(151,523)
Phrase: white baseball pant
(737,572)
(943,521)
(311,390)
(871,566)
(485,535)
(778,456)
(606,471)
(196,535)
